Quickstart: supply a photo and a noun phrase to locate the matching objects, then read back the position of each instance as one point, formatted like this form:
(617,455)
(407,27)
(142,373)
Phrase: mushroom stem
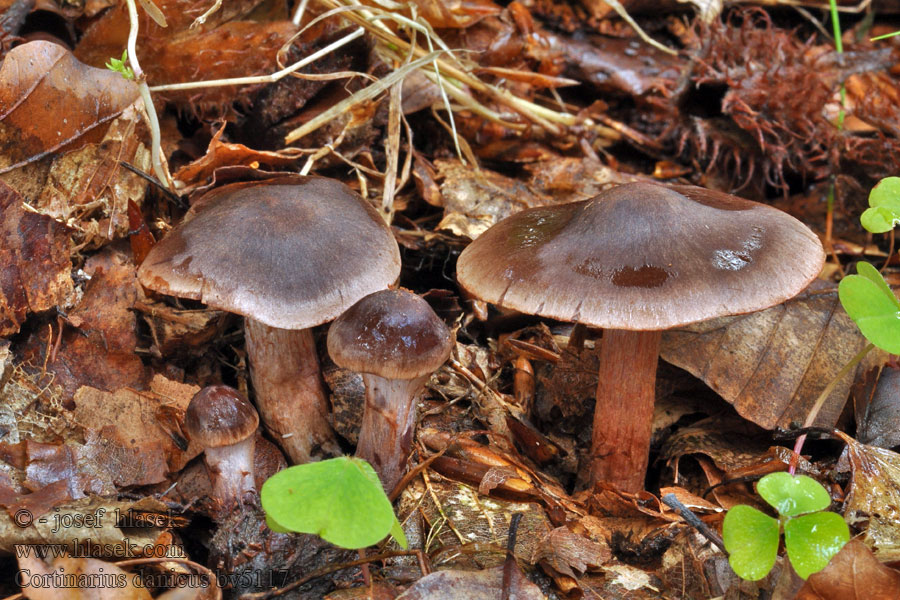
(231,471)
(623,418)
(284,367)
(386,435)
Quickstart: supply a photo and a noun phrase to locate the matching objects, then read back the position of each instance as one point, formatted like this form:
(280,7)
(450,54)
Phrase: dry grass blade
(362,95)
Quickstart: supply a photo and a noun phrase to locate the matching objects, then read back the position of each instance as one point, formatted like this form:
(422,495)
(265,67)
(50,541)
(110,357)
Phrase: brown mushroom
(636,260)
(288,254)
(221,420)
(396,341)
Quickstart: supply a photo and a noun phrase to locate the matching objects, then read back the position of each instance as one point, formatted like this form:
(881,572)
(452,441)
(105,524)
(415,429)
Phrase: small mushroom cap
(643,256)
(291,252)
(218,416)
(393,334)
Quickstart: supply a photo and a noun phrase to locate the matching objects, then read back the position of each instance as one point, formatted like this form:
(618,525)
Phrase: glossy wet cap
(643,256)
(393,334)
(292,252)
(218,416)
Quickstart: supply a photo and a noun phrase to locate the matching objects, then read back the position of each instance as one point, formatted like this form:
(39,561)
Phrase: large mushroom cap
(643,257)
(291,252)
(220,416)
(393,334)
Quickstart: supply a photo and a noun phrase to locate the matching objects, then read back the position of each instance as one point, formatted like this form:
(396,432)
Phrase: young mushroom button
(288,254)
(221,420)
(636,260)
(396,341)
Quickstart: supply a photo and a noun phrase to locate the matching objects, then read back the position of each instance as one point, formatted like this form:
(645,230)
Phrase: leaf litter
(448,116)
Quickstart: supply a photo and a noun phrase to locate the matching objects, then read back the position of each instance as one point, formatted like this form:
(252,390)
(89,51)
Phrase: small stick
(510,562)
(694,521)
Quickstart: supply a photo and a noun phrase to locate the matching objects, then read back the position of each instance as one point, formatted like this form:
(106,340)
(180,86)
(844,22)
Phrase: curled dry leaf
(773,364)
(873,502)
(854,572)
(223,154)
(34,252)
(49,102)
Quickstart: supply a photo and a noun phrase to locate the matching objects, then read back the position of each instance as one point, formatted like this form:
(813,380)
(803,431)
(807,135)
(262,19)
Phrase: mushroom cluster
(636,260)
(288,254)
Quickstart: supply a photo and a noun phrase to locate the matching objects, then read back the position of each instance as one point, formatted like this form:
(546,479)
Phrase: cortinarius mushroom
(636,260)
(396,341)
(221,420)
(288,254)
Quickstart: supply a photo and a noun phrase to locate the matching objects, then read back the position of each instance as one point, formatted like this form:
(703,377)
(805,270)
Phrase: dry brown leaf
(99,336)
(873,502)
(458,516)
(108,536)
(773,364)
(88,188)
(878,415)
(471,585)
(854,572)
(131,418)
(223,154)
(103,580)
(474,200)
(49,102)
(34,252)
(564,551)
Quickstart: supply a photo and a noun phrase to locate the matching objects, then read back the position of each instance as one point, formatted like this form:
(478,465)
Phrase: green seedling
(883,213)
(340,500)
(866,297)
(872,305)
(120,66)
(811,536)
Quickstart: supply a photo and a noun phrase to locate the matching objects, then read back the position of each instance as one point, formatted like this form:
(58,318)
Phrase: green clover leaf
(751,538)
(341,500)
(793,495)
(811,541)
(884,200)
(872,306)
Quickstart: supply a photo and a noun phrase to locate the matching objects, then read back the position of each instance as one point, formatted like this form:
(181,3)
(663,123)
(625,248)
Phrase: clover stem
(820,401)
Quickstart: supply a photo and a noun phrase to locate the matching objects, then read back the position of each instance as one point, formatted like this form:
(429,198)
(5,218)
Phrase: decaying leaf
(102,580)
(476,199)
(34,252)
(567,552)
(223,154)
(95,345)
(88,188)
(854,572)
(878,414)
(49,102)
(456,514)
(123,529)
(773,364)
(471,585)
(873,502)
(132,418)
